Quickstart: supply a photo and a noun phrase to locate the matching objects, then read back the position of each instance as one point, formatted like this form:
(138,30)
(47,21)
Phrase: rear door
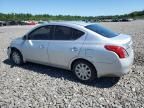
(35,48)
(65,45)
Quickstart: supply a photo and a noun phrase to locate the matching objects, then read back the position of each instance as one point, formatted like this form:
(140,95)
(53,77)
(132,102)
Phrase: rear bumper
(126,63)
(119,68)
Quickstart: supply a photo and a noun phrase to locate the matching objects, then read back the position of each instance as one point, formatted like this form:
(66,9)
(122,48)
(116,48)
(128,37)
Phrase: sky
(72,7)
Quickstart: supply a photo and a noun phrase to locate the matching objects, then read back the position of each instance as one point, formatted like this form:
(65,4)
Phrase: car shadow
(104,82)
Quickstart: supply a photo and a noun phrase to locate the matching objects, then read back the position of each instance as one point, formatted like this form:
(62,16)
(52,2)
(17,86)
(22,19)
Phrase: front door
(35,48)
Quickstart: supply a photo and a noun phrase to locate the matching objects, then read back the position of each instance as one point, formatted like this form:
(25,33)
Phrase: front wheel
(16,57)
(84,71)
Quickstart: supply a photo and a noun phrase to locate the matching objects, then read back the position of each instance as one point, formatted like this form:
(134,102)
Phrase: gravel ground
(34,85)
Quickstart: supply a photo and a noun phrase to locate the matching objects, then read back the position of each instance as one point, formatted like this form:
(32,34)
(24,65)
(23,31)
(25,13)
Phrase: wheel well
(14,49)
(80,59)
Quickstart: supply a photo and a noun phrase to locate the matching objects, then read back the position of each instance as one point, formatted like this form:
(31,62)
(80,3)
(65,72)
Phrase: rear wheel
(16,57)
(84,71)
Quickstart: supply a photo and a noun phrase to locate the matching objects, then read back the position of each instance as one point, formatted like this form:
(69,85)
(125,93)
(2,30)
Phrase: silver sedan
(89,50)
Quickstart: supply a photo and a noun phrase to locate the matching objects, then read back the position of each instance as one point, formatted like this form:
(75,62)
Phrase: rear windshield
(102,31)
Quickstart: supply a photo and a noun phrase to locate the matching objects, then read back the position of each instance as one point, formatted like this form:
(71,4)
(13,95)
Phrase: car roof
(70,23)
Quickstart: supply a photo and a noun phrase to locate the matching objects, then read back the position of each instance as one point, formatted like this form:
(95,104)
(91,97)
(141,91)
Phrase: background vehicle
(89,50)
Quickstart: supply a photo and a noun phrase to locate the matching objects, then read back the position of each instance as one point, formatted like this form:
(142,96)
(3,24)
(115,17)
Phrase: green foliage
(47,17)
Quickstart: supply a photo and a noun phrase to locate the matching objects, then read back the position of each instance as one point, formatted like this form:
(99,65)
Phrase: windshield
(102,31)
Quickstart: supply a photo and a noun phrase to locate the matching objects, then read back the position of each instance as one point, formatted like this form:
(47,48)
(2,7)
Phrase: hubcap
(16,57)
(83,71)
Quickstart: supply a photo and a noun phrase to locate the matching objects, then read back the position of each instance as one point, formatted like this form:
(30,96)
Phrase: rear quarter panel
(97,53)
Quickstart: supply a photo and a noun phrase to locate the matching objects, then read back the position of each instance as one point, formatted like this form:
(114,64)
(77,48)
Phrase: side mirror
(24,37)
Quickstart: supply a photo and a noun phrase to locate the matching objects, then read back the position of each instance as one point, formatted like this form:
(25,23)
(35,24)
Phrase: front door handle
(74,49)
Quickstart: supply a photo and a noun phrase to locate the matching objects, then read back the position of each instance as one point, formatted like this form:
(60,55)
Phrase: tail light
(120,51)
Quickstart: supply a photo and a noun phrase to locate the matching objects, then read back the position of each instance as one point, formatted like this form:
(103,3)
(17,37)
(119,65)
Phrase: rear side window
(66,33)
(102,31)
(62,33)
(77,34)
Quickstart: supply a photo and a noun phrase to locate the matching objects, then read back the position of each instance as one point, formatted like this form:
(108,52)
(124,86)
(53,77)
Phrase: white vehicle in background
(89,50)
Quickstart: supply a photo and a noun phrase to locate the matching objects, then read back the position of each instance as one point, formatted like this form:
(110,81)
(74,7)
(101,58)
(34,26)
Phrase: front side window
(102,31)
(67,33)
(42,33)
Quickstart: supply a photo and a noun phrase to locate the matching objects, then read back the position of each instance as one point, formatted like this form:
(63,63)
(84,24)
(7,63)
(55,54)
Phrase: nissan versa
(89,50)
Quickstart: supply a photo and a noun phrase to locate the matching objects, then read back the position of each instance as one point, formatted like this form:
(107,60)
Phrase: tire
(16,57)
(84,71)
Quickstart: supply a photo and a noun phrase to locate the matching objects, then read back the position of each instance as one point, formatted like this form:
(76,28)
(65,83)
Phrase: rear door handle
(41,46)
(74,49)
